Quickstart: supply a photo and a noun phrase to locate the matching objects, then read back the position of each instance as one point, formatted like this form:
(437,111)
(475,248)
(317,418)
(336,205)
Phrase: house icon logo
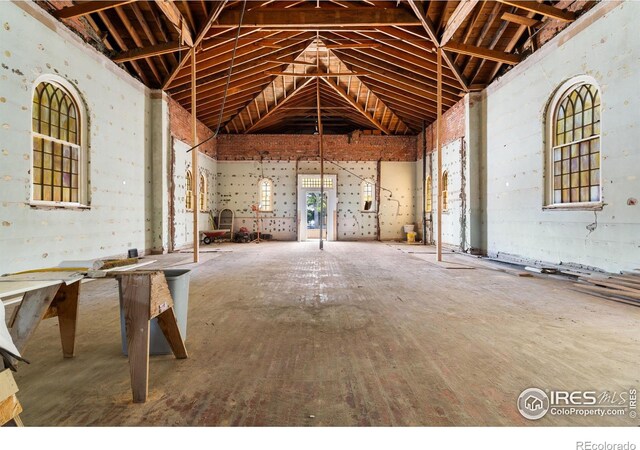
(533,403)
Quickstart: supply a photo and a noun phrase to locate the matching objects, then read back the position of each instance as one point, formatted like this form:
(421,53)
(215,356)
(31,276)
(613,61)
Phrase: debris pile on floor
(624,288)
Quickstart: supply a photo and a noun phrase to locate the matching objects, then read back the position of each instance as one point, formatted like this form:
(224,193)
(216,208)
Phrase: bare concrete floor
(359,334)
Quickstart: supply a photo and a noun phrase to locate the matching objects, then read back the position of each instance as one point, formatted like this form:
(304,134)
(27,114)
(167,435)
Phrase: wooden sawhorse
(57,300)
(145,295)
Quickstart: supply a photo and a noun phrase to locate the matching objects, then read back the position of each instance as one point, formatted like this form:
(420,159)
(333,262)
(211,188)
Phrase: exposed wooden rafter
(311,18)
(174,15)
(541,8)
(152,50)
(458,17)
(484,53)
(430,29)
(86,8)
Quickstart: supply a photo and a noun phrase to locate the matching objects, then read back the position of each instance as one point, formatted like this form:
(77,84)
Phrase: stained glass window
(56,145)
(368,195)
(576,146)
(203,193)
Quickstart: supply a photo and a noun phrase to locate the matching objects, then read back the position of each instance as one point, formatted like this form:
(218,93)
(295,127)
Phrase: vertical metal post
(439,150)
(194,162)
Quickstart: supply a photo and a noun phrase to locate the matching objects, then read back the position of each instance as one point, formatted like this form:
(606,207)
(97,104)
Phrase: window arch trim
(202,195)
(551,112)
(444,190)
(188,190)
(82,143)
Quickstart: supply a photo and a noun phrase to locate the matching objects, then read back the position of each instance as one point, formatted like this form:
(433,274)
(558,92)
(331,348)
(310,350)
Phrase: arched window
(445,191)
(368,195)
(203,193)
(59,144)
(429,189)
(265,193)
(188,198)
(574,153)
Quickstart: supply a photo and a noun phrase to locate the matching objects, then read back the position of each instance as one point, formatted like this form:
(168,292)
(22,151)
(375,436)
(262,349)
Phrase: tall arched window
(445,191)
(59,144)
(368,195)
(574,153)
(188,196)
(265,193)
(203,193)
(429,189)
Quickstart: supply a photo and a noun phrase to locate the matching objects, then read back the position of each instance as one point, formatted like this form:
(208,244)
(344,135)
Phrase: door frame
(332,202)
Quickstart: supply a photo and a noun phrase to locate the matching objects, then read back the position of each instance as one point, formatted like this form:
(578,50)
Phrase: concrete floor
(359,334)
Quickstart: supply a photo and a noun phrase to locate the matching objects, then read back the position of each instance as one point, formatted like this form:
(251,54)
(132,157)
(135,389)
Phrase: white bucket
(409,228)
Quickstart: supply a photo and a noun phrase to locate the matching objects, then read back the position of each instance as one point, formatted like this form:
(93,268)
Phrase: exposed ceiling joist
(316,74)
(458,17)
(520,20)
(484,53)
(212,18)
(284,101)
(430,29)
(175,17)
(147,52)
(357,106)
(87,8)
(541,8)
(318,17)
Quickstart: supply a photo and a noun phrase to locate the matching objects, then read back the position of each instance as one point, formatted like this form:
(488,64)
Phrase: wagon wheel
(207,240)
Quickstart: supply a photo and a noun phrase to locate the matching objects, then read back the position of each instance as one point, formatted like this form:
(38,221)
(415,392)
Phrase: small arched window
(203,193)
(574,153)
(59,144)
(429,194)
(265,193)
(188,198)
(445,191)
(368,195)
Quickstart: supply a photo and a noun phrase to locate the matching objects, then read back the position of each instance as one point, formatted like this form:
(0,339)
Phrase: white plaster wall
(608,50)
(453,216)
(32,44)
(397,208)
(238,190)
(183,219)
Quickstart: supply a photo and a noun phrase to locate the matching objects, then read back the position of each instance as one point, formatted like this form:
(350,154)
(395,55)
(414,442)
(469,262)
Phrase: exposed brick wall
(180,120)
(354,147)
(552,27)
(453,127)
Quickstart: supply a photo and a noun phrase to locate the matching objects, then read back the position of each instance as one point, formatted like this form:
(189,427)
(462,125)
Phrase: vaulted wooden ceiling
(380,55)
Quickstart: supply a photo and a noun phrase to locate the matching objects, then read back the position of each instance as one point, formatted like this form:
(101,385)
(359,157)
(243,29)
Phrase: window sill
(368,211)
(595,206)
(57,205)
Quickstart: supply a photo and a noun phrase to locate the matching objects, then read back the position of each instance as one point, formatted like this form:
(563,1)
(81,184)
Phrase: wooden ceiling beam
(87,8)
(116,36)
(171,11)
(520,20)
(212,18)
(357,106)
(429,28)
(541,8)
(136,39)
(146,52)
(483,53)
(315,74)
(150,36)
(458,17)
(317,17)
(283,101)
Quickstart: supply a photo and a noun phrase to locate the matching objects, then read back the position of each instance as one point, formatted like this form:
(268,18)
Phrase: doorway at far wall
(311,209)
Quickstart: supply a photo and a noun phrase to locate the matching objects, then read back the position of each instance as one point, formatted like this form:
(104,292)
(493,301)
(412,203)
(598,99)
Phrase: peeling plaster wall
(32,44)
(237,186)
(603,44)
(183,219)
